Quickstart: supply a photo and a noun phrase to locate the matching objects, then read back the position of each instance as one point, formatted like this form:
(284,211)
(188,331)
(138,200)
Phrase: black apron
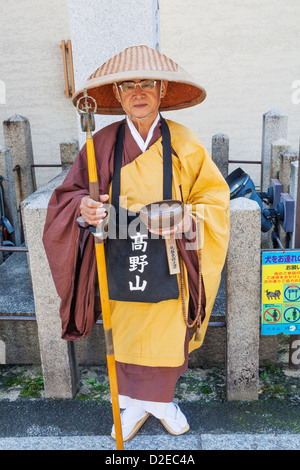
(136,263)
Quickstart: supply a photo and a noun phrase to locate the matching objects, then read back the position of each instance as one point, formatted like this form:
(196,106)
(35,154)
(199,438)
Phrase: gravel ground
(277,381)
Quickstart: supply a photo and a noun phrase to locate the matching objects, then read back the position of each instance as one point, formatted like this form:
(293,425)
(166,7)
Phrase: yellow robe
(154,334)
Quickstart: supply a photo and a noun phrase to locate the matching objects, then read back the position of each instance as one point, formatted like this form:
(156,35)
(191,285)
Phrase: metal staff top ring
(86,104)
(87,107)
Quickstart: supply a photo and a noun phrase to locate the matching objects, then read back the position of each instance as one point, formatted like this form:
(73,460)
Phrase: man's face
(140,102)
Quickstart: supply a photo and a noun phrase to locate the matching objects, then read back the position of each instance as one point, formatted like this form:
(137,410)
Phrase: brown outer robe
(70,253)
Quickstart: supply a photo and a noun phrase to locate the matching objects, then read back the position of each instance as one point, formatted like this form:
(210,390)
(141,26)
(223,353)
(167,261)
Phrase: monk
(157,318)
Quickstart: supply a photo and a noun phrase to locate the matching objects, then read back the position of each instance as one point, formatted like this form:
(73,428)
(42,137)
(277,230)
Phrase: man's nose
(138,89)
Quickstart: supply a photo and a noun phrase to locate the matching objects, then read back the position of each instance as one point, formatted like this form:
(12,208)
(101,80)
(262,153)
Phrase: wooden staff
(87,124)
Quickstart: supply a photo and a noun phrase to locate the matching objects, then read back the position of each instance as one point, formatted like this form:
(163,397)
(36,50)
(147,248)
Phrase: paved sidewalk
(158,442)
(85,425)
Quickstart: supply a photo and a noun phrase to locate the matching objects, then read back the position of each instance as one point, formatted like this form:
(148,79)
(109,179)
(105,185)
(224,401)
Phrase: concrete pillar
(2,352)
(100,32)
(17,136)
(274,128)
(243,300)
(10,200)
(294,179)
(287,157)
(68,153)
(220,152)
(277,148)
(58,357)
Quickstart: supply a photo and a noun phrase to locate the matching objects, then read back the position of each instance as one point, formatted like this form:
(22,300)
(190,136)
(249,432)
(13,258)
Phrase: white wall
(247,56)
(32,71)
(245,53)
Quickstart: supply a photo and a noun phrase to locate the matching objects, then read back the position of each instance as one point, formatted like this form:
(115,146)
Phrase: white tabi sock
(174,418)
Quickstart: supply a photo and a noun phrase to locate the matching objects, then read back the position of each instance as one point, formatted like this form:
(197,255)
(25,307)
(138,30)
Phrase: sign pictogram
(291,314)
(292,293)
(272,315)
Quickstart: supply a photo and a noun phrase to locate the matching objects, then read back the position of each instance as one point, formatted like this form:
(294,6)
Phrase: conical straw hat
(139,62)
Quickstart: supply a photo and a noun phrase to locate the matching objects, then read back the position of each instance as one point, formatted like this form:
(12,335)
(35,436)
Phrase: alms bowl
(162,214)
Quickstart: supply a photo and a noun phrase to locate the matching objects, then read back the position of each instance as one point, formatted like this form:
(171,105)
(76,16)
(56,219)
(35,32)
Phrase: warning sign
(280,292)
(272,315)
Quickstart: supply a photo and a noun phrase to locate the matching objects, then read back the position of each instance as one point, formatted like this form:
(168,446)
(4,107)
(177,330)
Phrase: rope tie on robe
(196,323)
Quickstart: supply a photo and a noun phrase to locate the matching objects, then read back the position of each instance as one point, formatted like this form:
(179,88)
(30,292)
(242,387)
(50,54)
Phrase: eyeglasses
(130,87)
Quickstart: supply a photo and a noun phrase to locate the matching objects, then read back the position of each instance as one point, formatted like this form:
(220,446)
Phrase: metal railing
(98,322)
(19,249)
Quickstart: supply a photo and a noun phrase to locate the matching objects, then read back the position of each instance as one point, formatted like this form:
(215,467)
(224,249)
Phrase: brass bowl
(162,214)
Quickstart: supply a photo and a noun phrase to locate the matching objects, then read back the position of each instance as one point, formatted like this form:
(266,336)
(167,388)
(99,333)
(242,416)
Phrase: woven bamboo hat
(139,62)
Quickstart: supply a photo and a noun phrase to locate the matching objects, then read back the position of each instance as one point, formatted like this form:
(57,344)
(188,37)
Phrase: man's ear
(115,92)
(164,86)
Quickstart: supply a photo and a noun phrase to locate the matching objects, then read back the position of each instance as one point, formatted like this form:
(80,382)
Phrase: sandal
(130,429)
(176,425)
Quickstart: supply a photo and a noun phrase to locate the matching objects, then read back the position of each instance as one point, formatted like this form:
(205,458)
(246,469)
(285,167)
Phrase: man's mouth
(141,105)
